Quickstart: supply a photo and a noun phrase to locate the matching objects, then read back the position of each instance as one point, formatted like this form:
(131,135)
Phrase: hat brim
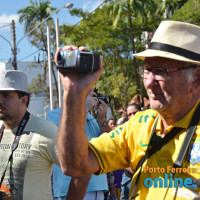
(13,89)
(157,53)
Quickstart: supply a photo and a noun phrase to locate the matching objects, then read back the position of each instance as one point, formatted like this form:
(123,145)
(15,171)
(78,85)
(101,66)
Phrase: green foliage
(37,85)
(78,12)
(114,31)
(120,88)
(169,7)
(115,43)
(33,17)
(190,12)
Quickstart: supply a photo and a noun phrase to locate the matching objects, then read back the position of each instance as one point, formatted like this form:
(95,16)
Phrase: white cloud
(6,20)
(91,5)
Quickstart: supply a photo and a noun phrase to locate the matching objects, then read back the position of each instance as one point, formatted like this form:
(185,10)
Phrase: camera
(77,61)
(105,98)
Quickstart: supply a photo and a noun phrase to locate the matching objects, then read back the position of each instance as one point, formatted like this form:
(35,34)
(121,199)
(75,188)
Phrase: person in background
(111,194)
(111,123)
(117,182)
(132,109)
(127,175)
(28,145)
(97,184)
(113,178)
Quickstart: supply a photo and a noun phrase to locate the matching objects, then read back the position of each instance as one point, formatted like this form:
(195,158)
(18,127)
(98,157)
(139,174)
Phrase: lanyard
(20,129)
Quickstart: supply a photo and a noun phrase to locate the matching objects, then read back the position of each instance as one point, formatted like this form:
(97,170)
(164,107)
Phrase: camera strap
(18,134)
(178,163)
(190,132)
(92,62)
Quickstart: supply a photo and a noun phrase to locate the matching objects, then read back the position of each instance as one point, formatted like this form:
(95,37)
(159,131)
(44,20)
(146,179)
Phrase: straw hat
(174,40)
(13,80)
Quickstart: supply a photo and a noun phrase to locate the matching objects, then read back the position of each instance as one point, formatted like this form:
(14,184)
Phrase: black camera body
(105,98)
(77,61)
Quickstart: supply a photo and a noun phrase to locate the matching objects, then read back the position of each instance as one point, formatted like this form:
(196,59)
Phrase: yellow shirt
(126,145)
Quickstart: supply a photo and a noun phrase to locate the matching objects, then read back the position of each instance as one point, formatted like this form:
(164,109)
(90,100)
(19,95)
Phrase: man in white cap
(28,145)
(162,144)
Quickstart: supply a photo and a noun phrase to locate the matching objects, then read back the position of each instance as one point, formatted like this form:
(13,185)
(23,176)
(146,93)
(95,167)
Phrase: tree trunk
(134,61)
(56,83)
(45,73)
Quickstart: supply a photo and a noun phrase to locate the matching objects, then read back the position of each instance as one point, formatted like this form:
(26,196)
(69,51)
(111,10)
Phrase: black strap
(127,182)
(152,134)
(178,163)
(190,132)
(158,146)
(20,129)
(153,150)
(129,175)
(176,50)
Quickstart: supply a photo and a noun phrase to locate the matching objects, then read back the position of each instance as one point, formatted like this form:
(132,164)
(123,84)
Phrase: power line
(29,55)
(68,29)
(86,16)
(40,11)
(6,40)
(1,27)
(44,20)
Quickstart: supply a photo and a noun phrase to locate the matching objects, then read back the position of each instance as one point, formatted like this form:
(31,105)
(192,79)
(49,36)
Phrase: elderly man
(161,145)
(28,146)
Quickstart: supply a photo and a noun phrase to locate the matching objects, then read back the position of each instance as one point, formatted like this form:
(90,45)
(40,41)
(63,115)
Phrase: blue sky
(8,12)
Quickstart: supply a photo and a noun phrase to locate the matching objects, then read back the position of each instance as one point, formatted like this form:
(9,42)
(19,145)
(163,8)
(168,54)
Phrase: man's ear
(24,99)
(196,80)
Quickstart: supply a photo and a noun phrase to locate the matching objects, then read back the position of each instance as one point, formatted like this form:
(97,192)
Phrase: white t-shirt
(28,176)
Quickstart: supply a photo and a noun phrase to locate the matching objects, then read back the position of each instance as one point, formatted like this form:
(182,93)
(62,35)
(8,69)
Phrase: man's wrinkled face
(171,94)
(9,105)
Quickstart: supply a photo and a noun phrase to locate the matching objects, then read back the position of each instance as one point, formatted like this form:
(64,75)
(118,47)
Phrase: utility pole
(14,50)
(50,68)
(59,83)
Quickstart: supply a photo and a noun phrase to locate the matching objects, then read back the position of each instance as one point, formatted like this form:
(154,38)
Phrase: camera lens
(60,59)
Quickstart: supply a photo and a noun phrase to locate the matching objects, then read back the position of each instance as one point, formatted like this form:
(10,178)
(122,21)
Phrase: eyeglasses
(160,74)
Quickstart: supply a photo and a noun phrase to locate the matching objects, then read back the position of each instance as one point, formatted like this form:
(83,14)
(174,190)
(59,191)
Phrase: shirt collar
(182,123)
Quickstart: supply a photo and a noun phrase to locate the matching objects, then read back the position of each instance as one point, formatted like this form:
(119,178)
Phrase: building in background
(39,103)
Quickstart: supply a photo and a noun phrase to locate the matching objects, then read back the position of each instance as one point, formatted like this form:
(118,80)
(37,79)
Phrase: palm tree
(168,7)
(33,17)
(132,10)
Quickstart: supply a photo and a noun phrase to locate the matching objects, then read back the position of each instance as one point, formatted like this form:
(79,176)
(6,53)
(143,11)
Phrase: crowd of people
(149,154)
(114,186)
(35,153)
